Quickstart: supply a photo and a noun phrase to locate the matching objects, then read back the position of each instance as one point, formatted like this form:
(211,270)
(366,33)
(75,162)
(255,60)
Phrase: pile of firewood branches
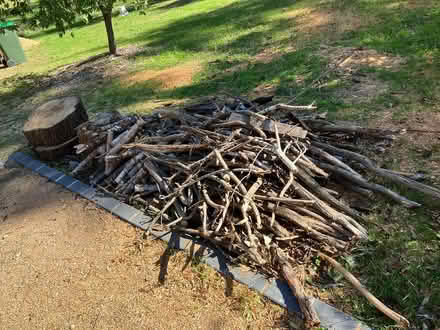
(228,172)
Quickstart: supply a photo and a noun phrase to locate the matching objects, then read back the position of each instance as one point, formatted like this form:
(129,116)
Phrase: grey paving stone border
(276,290)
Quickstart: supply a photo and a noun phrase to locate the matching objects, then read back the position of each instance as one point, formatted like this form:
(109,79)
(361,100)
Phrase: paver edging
(276,290)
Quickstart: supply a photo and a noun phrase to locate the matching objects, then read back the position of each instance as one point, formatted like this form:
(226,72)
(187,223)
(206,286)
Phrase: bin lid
(4,25)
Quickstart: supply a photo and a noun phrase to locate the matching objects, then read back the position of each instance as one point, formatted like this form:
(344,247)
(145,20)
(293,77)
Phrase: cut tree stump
(54,123)
(54,152)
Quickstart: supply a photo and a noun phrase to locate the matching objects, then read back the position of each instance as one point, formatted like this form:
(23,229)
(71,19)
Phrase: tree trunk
(107,14)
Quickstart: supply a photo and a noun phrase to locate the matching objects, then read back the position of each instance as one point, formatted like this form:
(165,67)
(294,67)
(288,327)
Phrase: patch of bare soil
(266,56)
(346,62)
(262,90)
(97,68)
(91,70)
(313,21)
(270,54)
(28,43)
(362,89)
(67,265)
(415,148)
(350,59)
(412,4)
(177,76)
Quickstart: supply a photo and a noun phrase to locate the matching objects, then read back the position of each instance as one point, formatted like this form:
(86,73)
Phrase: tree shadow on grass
(212,32)
(234,34)
(288,74)
(201,31)
(175,4)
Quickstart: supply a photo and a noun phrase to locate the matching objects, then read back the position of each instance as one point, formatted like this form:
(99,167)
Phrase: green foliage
(61,14)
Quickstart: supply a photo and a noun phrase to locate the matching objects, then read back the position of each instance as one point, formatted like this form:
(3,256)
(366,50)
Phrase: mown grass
(400,263)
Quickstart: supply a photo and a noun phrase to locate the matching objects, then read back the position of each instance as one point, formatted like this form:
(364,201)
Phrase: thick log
(55,122)
(292,276)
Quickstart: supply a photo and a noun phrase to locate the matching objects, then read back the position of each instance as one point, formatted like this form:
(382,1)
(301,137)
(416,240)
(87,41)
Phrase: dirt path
(67,265)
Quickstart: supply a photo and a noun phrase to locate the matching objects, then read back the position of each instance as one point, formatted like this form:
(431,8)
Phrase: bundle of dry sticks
(228,172)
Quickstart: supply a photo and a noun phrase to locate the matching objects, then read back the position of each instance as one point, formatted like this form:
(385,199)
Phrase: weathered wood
(434,192)
(117,145)
(111,163)
(298,220)
(239,123)
(109,141)
(163,139)
(269,125)
(399,319)
(128,166)
(92,135)
(145,188)
(55,152)
(331,159)
(325,126)
(290,201)
(324,195)
(86,161)
(371,186)
(168,147)
(329,212)
(242,189)
(55,122)
(287,108)
(294,277)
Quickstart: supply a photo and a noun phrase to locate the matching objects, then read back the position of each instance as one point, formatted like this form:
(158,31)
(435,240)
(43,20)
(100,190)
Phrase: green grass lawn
(228,40)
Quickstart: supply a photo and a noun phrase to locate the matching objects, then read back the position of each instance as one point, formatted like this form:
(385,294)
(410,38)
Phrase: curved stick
(399,319)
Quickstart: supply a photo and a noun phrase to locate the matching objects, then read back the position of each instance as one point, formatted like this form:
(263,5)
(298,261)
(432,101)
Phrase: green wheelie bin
(11,52)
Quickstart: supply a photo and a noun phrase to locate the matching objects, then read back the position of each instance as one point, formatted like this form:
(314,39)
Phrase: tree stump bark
(55,122)
(54,152)
(53,125)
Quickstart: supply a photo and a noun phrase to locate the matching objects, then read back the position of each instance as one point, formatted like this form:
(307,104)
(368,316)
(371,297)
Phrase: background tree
(63,14)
